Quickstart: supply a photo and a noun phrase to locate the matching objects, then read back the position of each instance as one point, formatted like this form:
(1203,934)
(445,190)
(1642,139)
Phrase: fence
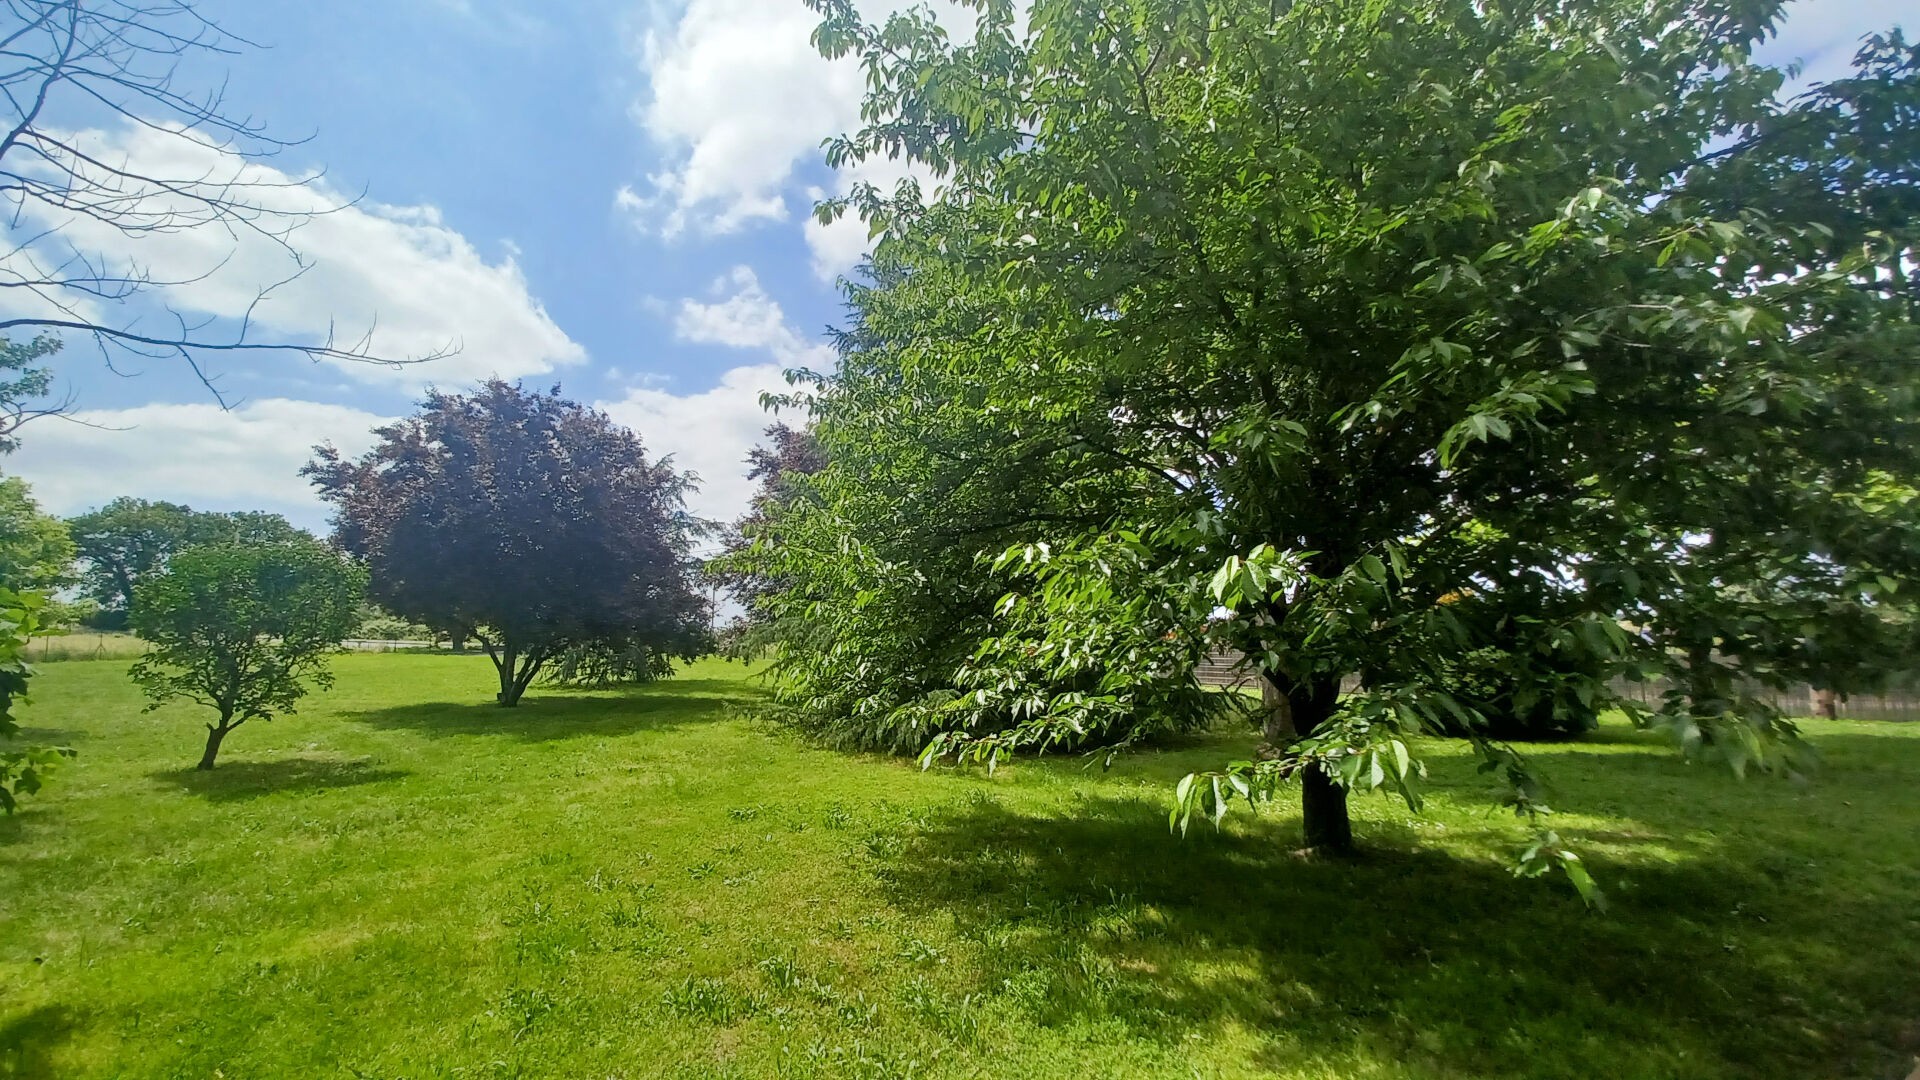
(1229,671)
(387,645)
(57,647)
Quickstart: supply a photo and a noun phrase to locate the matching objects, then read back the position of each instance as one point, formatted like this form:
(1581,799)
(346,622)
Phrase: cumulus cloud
(397,273)
(738,99)
(711,431)
(740,314)
(247,458)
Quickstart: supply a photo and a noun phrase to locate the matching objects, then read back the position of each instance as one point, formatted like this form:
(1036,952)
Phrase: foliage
(22,770)
(1516,705)
(609,662)
(22,385)
(523,892)
(379,625)
(883,592)
(36,557)
(243,628)
(126,540)
(529,522)
(778,467)
(1343,309)
(36,551)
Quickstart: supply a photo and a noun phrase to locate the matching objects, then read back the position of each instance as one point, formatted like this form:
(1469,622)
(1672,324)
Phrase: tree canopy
(36,552)
(529,522)
(123,542)
(1358,337)
(243,627)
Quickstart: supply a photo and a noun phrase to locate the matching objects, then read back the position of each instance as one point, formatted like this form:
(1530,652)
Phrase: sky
(611,195)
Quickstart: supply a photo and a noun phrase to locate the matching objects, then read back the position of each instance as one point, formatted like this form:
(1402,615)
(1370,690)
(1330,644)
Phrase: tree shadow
(548,713)
(1439,965)
(29,1041)
(234,780)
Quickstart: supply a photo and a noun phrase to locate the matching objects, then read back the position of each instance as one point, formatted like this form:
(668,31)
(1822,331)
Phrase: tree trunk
(1323,814)
(1826,704)
(1276,727)
(1323,802)
(509,695)
(459,640)
(214,735)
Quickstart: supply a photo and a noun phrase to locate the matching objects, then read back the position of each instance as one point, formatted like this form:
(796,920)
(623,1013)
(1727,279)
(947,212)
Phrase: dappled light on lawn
(400,880)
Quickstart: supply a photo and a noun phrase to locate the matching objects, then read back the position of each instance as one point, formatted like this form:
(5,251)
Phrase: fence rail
(386,645)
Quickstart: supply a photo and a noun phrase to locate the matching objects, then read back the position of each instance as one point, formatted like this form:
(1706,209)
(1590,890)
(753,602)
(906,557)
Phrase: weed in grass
(523,1007)
(916,951)
(711,1000)
(782,971)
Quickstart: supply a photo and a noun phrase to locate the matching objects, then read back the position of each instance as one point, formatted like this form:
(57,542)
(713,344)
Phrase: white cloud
(248,458)
(708,432)
(738,99)
(738,96)
(397,271)
(711,431)
(742,315)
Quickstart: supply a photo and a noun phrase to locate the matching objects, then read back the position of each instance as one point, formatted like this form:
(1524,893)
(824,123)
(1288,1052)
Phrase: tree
(36,553)
(27,384)
(65,60)
(243,628)
(525,521)
(21,771)
(865,577)
(1557,306)
(123,542)
(779,467)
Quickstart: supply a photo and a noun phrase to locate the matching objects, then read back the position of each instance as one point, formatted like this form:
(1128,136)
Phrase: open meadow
(406,881)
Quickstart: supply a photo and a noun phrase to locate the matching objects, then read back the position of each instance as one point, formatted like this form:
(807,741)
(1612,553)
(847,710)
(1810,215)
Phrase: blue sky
(609,194)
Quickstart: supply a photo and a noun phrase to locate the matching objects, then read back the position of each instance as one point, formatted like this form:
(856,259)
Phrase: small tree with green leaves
(244,628)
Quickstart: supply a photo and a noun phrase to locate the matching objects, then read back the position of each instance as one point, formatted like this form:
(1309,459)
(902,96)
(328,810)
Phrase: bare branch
(79,57)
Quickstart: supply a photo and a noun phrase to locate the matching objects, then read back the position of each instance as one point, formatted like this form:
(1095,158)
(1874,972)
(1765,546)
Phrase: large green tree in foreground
(531,523)
(243,628)
(1359,336)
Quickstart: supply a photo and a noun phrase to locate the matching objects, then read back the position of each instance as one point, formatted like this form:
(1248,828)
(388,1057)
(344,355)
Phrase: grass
(83,645)
(402,881)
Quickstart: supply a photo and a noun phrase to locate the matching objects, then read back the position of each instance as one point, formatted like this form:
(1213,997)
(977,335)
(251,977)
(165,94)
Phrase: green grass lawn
(404,881)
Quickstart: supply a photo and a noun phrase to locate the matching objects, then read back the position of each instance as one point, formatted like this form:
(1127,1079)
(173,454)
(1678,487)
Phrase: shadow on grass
(232,780)
(1406,958)
(557,713)
(28,1041)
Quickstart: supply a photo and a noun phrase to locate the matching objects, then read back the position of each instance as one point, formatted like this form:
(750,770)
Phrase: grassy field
(404,881)
(83,645)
